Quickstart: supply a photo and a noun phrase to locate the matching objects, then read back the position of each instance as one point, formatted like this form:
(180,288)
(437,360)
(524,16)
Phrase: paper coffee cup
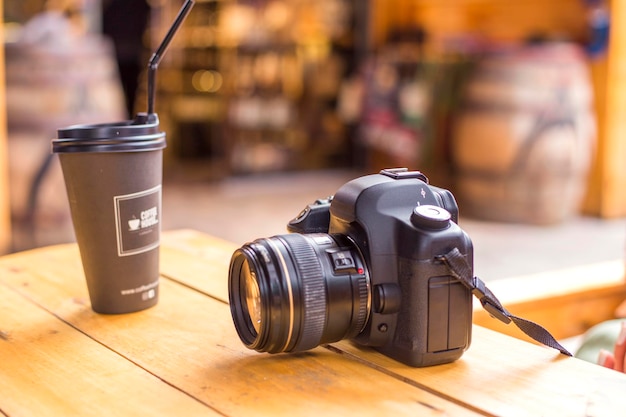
(113,176)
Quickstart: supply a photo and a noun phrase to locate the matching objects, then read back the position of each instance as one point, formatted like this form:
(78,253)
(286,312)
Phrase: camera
(365,265)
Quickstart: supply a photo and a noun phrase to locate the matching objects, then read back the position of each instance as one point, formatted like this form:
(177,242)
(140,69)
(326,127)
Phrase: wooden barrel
(523,141)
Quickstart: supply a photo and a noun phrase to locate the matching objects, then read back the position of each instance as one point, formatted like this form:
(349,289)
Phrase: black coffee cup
(113,175)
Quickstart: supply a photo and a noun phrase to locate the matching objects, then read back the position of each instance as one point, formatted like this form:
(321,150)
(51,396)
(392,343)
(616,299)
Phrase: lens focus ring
(363,307)
(313,291)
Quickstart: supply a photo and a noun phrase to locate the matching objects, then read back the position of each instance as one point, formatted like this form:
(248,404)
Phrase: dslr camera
(363,265)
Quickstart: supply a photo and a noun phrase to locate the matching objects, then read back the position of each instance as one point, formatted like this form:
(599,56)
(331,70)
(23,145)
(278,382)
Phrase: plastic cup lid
(140,134)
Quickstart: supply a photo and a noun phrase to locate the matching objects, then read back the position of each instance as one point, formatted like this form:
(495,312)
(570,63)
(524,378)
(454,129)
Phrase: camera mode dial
(430,217)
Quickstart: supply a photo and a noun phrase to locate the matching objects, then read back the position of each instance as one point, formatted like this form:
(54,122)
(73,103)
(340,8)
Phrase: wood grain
(514,379)
(188,341)
(187,346)
(508,376)
(53,369)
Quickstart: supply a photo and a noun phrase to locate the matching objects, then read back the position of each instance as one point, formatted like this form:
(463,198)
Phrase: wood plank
(5,207)
(543,383)
(564,317)
(188,340)
(72,374)
(592,200)
(613,143)
(199,352)
(567,301)
(605,196)
(177,265)
(478,386)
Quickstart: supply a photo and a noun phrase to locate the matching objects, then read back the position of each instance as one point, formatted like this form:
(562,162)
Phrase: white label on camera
(137,221)
(322,239)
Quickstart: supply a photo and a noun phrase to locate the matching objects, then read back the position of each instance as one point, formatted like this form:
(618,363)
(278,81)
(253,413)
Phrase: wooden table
(183,357)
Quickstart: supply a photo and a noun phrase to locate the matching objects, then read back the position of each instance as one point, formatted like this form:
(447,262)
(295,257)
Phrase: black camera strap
(461,270)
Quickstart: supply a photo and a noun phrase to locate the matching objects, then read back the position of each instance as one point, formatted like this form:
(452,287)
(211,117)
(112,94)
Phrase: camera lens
(252,295)
(294,292)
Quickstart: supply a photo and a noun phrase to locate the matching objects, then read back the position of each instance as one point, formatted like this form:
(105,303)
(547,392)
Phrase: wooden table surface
(183,357)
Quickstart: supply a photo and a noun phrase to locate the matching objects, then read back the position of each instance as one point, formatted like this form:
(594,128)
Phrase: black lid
(140,134)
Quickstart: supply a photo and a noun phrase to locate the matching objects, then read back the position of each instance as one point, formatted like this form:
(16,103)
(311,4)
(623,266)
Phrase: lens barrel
(294,292)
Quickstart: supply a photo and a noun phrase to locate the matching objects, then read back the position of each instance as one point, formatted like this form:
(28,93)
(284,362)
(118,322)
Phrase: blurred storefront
(251,87)
(282,85)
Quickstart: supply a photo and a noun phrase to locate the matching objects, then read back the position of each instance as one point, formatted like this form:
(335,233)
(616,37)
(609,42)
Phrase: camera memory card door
(449,314)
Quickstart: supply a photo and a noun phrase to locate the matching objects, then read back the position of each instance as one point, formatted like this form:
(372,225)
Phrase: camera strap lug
(461,270)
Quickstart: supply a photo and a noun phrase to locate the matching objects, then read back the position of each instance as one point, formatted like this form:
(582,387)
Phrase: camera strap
(462,271)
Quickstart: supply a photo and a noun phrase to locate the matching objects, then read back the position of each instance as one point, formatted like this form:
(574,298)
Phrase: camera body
(420,314)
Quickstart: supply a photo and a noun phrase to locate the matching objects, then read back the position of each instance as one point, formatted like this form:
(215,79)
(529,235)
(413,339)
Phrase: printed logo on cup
(137,219)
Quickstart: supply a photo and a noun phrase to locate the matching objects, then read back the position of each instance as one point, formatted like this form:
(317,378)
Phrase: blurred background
(268,104)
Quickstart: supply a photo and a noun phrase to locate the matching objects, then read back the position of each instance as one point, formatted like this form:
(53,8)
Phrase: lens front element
(294,292)
(252,296)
